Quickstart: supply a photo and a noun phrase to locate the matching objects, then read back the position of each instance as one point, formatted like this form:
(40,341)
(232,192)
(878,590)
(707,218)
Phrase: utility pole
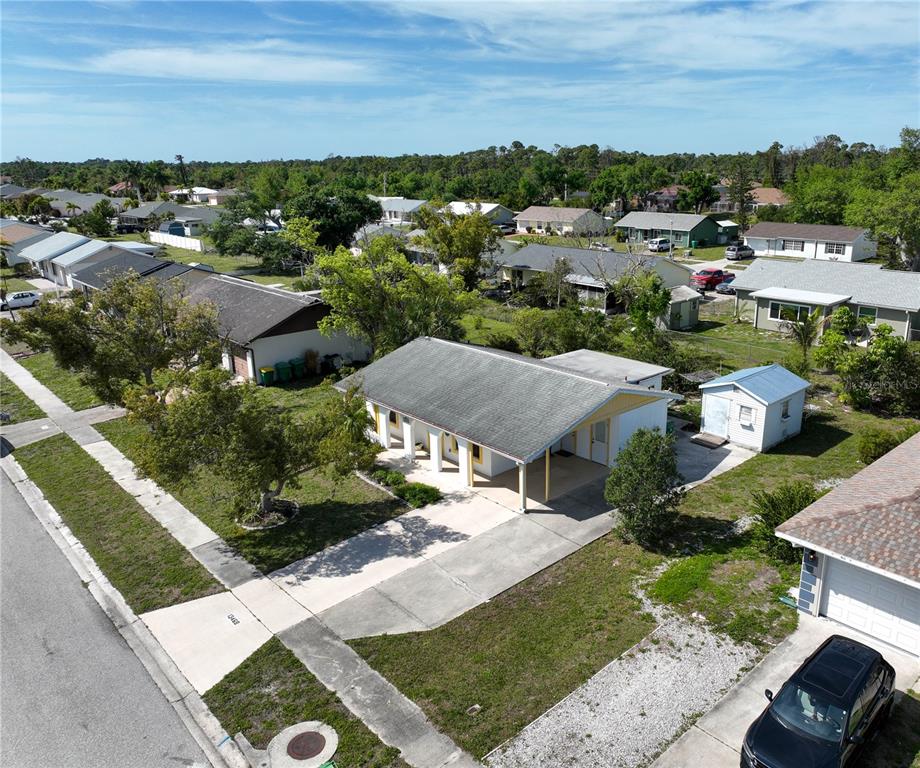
(384,183)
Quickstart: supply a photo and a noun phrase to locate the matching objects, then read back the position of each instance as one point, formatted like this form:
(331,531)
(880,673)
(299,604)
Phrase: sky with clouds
(264,80)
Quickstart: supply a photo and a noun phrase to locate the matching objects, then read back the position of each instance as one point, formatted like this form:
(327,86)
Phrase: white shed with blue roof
(754,407)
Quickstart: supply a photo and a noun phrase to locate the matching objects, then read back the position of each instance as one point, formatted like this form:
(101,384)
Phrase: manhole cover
(306,745)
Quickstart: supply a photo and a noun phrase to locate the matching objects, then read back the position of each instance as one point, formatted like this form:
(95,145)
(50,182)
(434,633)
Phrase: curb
(218,746)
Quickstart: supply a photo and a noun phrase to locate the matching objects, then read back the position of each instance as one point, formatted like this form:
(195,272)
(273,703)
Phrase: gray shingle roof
(823,232)
(873,517)
(98,274)
(248,310)
(552,213)
(682,222)
(512,404)
(206,213)
(587,265)
(867,284)
(768,383)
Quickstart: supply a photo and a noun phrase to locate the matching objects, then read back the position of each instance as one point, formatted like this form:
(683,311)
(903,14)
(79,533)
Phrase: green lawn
(15,403)
(144,562)
(13,283)
(330,511)
(898,743)
(736,344)
(523,651)
(65,384)
(272,690)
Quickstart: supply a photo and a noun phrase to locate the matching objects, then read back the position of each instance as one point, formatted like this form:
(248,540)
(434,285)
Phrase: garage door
(878,606)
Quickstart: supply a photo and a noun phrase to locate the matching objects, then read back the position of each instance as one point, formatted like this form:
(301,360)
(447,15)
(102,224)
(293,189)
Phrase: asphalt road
(72,693)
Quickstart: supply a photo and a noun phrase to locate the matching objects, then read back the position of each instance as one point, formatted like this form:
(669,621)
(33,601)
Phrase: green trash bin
(299,367)
(693,243)
(283,371)
(267,375)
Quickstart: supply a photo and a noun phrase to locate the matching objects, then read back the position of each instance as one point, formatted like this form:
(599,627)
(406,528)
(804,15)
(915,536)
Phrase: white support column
(251,364)
(408,437)
(522,486)
(466,460)
(225,360)
(434,449)
(383,428)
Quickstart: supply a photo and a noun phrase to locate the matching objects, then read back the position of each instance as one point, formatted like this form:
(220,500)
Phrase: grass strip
(14,402)
(272,690)
(141,559)
(65,384)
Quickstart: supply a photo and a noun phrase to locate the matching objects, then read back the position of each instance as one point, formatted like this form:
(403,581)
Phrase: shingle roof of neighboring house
(402,204)
(611,369)
(767,383)
(10,191)
(16,231)
(867,284)
(769,196)
(206,213)
(551,213)
(53,246)
(81,252)
(98,274)
(512,404)
(372,231)
(872,518)
(587,265)
(682,222)
(248,310)
(83,200)
(831,233)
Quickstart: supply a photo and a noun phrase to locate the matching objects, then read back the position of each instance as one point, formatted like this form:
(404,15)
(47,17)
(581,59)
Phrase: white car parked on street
(21,299)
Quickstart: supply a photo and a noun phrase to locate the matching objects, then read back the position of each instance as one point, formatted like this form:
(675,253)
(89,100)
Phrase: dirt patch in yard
(760,577)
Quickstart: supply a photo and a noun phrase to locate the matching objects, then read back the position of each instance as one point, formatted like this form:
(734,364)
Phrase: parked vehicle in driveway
(725,287)
(659,244)
(21,299)
(707,279)
(734,252)
(825,712)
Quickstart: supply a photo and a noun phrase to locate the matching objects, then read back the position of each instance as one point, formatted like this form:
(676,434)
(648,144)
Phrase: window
(793,245)
(453,444)
(838,248)
(795,312)
(868,314)
(746,414)
(785,409)
(394,418)
(599,432)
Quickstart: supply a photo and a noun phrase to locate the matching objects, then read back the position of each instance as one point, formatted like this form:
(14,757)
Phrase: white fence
(189,243)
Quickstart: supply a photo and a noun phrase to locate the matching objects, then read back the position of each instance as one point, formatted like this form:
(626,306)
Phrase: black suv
(825,712)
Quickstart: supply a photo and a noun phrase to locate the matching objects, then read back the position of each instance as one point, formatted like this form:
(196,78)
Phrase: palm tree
(803,330)
(155,175)
(183,174)
(71,207)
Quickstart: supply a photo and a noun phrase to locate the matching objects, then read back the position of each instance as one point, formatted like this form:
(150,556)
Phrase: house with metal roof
(810,241)
(397,210)
(485,413)
(861,550)
(92,252)
(550,219)
(685,230)
(41,253)
(772,290)
(756,408)
(495,212)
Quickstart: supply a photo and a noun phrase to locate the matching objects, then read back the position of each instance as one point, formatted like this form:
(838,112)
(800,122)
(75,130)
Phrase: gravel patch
(626,714)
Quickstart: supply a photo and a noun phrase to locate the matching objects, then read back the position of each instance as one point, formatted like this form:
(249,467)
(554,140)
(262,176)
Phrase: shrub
(774,508)
(389,477)
(418,494)
(831,347)
(505,341)
(875,443)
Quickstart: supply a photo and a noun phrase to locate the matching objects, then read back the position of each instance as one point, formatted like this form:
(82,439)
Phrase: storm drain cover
(306,745)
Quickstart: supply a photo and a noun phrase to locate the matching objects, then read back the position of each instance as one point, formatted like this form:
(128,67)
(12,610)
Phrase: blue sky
(237,81)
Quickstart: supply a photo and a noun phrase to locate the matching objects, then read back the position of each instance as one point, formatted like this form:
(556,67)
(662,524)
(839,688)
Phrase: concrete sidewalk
(715,739)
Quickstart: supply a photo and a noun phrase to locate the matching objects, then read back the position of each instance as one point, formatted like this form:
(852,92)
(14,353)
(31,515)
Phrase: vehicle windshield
(807,712)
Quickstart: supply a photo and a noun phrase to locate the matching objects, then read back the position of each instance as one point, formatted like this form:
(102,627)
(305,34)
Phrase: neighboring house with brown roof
(861,542)
(566,221)
(810,241)
(760,196)
(17,236)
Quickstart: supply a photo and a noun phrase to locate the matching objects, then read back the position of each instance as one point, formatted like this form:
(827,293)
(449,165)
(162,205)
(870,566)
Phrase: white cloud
(267,61)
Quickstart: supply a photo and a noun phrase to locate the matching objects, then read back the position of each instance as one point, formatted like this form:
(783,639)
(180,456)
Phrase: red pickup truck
(707,279)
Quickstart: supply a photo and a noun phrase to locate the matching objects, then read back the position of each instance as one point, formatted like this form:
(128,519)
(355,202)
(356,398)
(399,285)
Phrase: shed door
(876,605)
(715,415)
(599,439)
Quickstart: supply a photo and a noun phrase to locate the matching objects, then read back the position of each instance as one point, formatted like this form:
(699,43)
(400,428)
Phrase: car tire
(35,303)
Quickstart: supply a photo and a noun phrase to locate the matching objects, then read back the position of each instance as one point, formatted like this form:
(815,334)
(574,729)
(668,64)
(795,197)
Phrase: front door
(715,415)
(599,442)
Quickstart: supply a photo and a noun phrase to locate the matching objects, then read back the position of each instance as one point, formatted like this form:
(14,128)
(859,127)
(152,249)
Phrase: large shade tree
(336,212)
(464,243)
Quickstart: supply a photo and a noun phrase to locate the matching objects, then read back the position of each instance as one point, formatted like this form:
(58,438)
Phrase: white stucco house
(486,413)
(861,550)
(754,407)
(397,210)
(565,221)
(810,241)
(495,212)
(194,194)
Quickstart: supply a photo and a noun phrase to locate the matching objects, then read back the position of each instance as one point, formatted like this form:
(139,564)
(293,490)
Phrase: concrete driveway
(715,739)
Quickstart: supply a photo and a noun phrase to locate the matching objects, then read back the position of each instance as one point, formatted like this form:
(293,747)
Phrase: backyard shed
(754,407)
